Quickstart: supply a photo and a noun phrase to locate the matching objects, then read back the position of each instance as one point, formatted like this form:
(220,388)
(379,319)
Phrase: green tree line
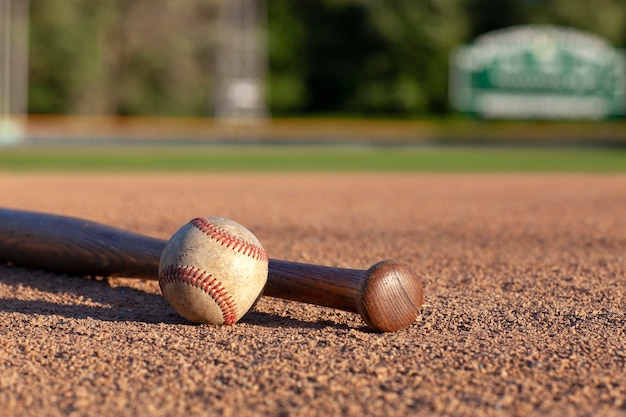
(381,58)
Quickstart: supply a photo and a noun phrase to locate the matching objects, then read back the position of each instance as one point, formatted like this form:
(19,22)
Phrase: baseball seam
(205,282)
(225,239)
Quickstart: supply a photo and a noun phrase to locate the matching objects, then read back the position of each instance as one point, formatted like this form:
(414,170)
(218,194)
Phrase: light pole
(241,61)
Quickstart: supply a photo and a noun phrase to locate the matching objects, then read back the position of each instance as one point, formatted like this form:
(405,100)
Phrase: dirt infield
(524,313)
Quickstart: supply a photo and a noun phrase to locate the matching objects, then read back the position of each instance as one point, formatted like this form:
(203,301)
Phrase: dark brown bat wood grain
(388,296)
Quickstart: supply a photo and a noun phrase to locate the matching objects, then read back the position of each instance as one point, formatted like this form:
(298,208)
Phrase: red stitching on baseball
(204,281)
(208,228)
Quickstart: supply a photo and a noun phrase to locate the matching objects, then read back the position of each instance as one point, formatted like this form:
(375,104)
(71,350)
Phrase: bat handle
(388,295)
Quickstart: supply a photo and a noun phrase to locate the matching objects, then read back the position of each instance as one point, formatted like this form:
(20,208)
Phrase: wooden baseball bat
(388,296)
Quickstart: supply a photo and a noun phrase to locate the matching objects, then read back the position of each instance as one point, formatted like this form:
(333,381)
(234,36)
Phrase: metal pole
(6,58)
(14,55)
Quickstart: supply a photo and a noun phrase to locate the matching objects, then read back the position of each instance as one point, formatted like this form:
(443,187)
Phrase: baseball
(212,270)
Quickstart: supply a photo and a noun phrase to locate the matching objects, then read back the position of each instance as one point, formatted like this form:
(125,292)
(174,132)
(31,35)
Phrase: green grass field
(311,159)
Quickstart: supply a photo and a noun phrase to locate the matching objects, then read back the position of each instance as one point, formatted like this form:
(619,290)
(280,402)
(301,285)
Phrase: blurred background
(394,70)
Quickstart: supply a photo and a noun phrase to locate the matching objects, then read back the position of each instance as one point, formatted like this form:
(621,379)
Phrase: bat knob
(390,296)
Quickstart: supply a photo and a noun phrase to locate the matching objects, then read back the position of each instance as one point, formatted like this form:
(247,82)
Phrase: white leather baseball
(212,270)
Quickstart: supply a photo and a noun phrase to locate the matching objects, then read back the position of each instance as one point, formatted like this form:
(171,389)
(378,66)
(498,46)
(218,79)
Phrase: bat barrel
(75,246)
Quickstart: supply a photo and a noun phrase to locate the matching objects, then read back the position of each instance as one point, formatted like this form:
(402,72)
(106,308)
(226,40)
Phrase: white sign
(539,72)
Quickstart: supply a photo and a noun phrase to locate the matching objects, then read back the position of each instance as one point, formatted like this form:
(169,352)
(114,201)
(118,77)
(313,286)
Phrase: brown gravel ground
(524,313)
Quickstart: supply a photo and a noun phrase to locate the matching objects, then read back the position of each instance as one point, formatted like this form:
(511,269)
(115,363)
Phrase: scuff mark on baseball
(212,270)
